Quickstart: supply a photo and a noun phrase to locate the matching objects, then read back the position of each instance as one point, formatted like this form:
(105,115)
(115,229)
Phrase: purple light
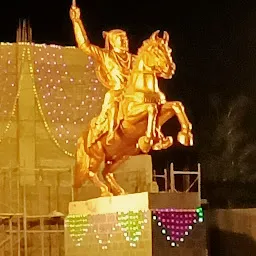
(181,222)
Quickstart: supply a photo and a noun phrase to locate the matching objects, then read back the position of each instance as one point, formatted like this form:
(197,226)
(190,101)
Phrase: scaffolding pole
(162,176)
(187,172)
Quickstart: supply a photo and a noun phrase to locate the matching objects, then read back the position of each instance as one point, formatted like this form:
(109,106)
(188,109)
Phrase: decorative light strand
(69,96)
(130,223)
(83,83)
(104,234)
(103,242)
(40,108)
(77,226)
(175,224)
(14,107)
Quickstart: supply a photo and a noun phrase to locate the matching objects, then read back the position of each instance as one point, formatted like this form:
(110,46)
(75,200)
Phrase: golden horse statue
(142,111)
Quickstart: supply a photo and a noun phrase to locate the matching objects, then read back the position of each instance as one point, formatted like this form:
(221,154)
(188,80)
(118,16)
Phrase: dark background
(213,47)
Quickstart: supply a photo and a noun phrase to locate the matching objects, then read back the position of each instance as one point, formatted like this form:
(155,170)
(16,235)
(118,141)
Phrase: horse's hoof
(106,194)
(185,138)
(145,144)
(120,192)
(163,143)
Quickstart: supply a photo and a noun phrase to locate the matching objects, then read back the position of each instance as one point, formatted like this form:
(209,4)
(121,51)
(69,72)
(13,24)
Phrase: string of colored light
(68,92)
(31,69)
(81,94)
(175,224)
(14,106)
(130,223)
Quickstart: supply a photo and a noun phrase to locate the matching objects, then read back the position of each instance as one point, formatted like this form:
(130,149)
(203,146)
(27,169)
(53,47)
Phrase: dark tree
(229,142)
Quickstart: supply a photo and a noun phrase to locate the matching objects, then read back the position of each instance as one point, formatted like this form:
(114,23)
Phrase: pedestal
(142,224)
(134,176)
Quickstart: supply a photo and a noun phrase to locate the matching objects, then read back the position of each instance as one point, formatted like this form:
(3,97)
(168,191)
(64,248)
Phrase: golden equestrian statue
(134,108)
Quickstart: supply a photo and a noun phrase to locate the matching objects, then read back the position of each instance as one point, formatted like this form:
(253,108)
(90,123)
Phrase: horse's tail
(81,165)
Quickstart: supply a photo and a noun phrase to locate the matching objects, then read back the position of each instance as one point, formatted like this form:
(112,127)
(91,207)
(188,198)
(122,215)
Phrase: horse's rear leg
(93,177)
(86,167)
(108,175)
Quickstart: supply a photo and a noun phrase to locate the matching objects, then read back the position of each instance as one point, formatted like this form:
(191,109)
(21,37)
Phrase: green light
(132,223)
(77,226)
(200,214)
(199,209)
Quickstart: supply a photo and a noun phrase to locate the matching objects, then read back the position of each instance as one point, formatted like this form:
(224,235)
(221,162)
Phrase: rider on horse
(114,63)
(136,124)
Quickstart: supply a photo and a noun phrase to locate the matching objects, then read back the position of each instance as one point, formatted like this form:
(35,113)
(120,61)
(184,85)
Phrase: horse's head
(156,55)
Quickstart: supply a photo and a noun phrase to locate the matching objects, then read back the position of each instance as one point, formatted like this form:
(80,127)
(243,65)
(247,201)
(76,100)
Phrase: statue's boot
(163,143)
(145,144)
(111,125)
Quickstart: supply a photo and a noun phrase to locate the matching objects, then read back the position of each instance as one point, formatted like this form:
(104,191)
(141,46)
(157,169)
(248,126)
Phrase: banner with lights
(174,224)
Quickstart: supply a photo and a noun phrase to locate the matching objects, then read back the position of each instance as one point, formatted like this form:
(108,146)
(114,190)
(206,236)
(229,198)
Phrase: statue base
(142,224)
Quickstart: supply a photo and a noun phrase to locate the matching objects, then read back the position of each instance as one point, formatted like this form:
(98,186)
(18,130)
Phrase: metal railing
(191,183)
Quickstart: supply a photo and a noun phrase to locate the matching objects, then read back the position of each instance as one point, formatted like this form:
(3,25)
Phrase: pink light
(181,220)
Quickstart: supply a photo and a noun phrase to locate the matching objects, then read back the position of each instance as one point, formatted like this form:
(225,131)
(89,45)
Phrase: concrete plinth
(142,224)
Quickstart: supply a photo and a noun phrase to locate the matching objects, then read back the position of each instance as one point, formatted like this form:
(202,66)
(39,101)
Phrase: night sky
(213,41)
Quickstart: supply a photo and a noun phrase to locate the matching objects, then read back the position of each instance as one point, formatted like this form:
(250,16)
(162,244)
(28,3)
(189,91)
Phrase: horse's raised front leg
(145,142)
(185,136)
(168,110)
(139,111)
(161,141)
(165,113)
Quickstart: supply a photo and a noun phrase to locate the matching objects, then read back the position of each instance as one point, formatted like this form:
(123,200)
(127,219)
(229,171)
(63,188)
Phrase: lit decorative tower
(49,93)
(26,108)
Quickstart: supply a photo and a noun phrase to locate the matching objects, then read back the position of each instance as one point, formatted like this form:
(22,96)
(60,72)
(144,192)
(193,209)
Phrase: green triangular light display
(77,226)
(131,224)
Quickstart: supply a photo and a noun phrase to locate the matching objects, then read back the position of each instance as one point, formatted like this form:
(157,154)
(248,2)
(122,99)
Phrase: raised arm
(81,35)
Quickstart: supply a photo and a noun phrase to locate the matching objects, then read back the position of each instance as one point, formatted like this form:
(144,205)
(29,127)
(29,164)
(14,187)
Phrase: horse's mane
(145,45)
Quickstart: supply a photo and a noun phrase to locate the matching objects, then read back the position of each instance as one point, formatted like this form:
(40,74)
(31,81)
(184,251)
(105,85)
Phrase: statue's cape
(102,74)
(98,129)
